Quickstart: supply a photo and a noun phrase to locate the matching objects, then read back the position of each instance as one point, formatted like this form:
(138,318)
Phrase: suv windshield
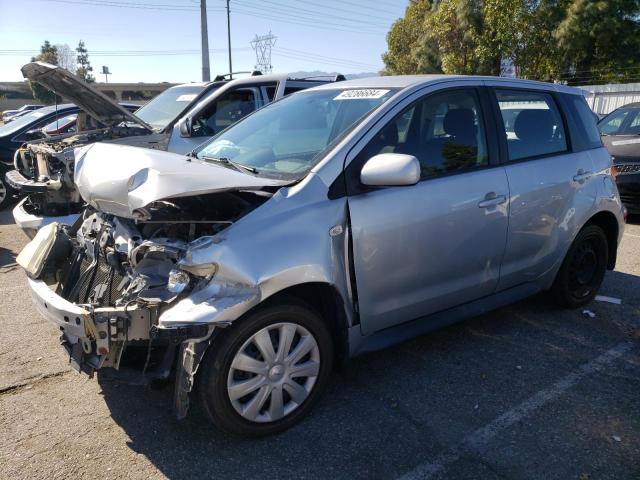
(287,138)
(160,111)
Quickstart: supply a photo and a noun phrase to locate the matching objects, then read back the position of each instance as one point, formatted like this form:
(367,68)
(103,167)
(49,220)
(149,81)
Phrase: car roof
(52,108)
(630,105)
(407,81)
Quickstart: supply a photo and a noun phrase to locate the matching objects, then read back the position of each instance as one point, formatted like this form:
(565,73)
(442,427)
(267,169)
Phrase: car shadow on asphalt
(390,408)
(7,260)
(6,216)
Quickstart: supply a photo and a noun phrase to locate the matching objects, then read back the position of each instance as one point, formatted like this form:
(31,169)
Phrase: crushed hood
(92,101)
(118,179)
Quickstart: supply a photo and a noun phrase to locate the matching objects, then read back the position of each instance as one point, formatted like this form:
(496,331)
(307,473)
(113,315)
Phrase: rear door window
(532,124)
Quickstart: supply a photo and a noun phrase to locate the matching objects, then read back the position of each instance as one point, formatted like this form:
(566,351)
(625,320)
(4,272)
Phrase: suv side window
(444,131)
(225,111)
(532,123)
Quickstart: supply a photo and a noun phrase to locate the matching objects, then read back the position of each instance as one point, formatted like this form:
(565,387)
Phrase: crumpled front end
(110,283)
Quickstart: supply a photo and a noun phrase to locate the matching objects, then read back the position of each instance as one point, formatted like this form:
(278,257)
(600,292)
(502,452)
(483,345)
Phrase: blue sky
(159,40)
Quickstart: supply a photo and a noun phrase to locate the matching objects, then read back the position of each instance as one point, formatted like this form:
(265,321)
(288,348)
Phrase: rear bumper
(30,223)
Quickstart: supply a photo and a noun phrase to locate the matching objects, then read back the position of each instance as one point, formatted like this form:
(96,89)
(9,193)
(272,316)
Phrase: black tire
(214,371)
(583,269)
(7,193)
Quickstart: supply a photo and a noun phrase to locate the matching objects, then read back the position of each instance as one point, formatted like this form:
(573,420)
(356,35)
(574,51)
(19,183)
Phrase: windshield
(160,111)
(24,120)
(287,138)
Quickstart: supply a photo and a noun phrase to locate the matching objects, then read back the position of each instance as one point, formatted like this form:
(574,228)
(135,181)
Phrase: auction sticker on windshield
(361,93)
(187,97)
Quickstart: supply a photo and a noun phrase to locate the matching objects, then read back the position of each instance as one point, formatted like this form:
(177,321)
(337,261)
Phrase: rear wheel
(583,269)
(265,373)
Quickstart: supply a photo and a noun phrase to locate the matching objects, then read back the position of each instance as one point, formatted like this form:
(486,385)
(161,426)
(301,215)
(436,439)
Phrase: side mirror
(185,127)
(390,169)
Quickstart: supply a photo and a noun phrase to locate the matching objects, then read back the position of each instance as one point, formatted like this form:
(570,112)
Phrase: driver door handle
(492,199)
(581,176)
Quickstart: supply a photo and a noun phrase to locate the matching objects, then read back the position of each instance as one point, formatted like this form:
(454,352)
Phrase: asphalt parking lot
(526,392)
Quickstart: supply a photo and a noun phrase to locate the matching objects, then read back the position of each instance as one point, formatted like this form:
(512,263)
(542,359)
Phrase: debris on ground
(617,438)
(604,298)
(589,313)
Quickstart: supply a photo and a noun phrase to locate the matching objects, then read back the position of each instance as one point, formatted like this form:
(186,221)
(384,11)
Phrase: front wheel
(263,374)
(583,269)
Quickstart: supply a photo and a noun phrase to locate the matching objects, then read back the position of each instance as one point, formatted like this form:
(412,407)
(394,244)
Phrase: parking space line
(476,441)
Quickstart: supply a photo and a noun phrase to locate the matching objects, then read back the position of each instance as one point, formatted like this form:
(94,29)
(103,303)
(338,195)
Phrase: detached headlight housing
(204,270)
(178,281)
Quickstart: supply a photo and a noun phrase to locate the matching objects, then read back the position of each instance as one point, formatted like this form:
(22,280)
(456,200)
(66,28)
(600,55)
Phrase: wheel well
(326,300)
(609,224)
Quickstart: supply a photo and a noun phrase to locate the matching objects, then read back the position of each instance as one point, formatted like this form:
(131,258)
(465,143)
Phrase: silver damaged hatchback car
(335,221)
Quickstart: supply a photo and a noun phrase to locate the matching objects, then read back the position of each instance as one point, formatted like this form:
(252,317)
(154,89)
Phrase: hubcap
(273,372)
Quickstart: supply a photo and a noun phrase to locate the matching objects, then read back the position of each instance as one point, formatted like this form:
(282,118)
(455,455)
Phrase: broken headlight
(178,281)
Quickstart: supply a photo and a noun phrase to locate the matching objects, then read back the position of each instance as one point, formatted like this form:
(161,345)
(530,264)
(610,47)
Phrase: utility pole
(229,39)
(206,73)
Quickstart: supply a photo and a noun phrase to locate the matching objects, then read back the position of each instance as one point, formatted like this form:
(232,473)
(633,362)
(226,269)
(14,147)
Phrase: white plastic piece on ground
(604,298)
(589,312)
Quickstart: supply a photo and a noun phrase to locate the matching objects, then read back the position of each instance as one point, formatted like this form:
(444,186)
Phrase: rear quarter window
(584,127)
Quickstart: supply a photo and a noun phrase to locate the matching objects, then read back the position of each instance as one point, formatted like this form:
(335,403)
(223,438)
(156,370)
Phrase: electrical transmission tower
(262,45)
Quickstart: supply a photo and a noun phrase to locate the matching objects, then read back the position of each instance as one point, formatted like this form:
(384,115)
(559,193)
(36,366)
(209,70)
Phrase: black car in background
(28,127)
(620,132)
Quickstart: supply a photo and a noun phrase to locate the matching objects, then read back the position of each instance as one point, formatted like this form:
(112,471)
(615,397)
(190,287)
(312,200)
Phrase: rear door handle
(581,176)
(492,199)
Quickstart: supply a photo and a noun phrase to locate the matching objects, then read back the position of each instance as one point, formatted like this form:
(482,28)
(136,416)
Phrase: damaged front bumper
(30,223)
(95,338)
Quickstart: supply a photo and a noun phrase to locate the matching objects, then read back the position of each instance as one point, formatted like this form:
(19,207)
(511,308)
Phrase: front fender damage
(218,304)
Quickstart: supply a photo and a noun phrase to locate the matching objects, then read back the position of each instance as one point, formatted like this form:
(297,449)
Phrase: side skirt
(359,344)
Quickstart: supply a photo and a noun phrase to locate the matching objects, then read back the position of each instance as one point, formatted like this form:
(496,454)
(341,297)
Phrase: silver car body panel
(30,224)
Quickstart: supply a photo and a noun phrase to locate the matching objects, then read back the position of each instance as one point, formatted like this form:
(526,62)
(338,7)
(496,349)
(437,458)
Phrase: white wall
(604,99)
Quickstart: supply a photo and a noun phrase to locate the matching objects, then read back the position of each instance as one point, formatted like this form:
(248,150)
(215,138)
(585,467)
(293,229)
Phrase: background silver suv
(338,220)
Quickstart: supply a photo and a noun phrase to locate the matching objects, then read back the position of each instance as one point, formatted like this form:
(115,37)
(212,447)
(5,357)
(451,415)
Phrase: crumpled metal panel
(119,179)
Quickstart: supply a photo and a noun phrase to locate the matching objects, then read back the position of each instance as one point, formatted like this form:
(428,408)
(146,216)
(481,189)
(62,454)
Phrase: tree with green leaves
(48,54)
(407,54)
(599,41)
(574,41)
(84,66)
